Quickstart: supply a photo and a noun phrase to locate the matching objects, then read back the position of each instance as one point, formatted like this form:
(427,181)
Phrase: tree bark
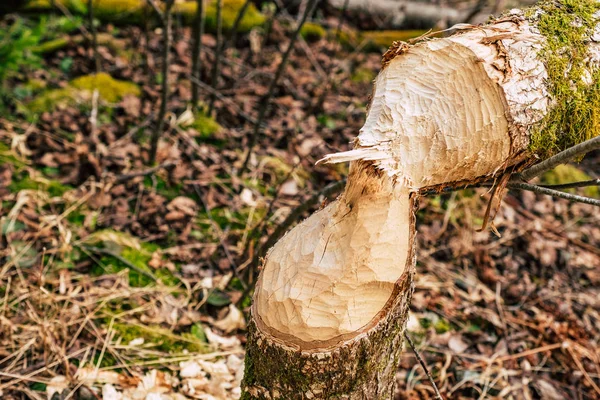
(362,368)
(289,358)
(331,304)
(198,31)
(164,100)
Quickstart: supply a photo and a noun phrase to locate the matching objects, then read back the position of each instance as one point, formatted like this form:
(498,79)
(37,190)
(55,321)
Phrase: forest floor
(119,280)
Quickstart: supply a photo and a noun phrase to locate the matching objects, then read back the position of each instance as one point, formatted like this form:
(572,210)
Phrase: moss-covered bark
(569,27)
(136,11)
(364,368)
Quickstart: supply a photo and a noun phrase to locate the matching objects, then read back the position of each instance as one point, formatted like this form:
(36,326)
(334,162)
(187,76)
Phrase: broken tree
(331,304)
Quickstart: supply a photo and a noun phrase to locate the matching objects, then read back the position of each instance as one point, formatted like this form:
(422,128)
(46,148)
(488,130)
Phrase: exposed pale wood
(329,277)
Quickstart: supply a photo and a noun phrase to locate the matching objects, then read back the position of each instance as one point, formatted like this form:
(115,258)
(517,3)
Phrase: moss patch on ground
(110,90)
(205,125)
(53,188)
(567,174)
(567,26)
(230,9)
(312,32)
(363,75)
(125,251)
(375,41)
(103,39)
(160,338)
(7,156)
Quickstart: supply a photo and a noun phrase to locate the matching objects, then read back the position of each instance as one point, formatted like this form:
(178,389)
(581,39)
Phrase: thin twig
(529,187)
(232,263)
(94,116)
(561,158)
(225,99)
(264,220)
(438,396)
(197,51)
(158,11)
(238,19)
(149,171)
(591,182)
(94,35)
(218,48)
(132,131)
(553,193)
(167,25)
(267,98)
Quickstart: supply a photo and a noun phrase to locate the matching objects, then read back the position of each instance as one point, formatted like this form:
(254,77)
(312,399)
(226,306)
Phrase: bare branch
(167,26)
(266,100)
(197,51)
(561,158)
(225,99)
(220,234)
(236,24)
(158,11)
(438,396)
(264,220)
(553,193)
(218,48)
(94,35)
(591,182)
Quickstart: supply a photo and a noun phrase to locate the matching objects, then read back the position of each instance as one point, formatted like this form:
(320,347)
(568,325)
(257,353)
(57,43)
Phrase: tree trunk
(394,14)
(136,12)
(332,300)
(338,328)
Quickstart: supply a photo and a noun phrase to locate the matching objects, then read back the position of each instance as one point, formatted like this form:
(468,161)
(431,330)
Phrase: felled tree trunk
(137,11)
(331,303)
(402,14)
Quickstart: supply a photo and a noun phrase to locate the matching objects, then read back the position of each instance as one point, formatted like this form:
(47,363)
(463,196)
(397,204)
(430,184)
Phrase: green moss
(51,46)
(442,326)
(312,32)
(375,41)
(162,187)
(35,85)
(575,117)
(162,339)
(567,174)
(53,188)
(229,12)
(363,75)
(7,156)
(137,11)
(139,258)
(109,89)
(205,125)
(132,11)
(103,39)
(128,250)
(52,99)
(378,40)
(80,89)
